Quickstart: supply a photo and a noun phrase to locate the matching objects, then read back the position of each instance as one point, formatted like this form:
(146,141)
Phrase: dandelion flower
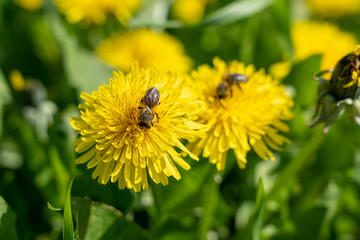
(146,47)
(334,8)
(189,11)
(250,116)
(17,80)
(310,37)
(95,11)
(280,70)
(121,148)
(340,93)
(31,5)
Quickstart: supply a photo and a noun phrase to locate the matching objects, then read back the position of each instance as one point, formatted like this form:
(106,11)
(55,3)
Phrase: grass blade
(236,10)
(68,225)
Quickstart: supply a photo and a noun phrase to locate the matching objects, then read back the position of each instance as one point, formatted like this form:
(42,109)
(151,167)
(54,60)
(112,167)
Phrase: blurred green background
(311,191)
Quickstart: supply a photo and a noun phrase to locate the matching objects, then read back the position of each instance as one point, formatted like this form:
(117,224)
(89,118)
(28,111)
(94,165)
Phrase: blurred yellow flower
(95,11)
(30,5)
(17,80)
(189,11)
(146,47)
(334,8)
(250,115)
(124,135)
(280,70)
(310,37)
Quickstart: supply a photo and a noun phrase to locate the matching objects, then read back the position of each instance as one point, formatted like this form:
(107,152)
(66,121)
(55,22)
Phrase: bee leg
(318,75)
(220,102)
(238,84)
(157,117)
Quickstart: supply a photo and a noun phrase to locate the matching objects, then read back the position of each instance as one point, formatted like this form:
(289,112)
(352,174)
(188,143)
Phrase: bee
(151,98)
(225,87)
(148,102)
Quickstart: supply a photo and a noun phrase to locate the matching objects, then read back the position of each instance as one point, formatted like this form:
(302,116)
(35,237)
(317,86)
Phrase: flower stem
(157,199)
(210,200)
(285,178)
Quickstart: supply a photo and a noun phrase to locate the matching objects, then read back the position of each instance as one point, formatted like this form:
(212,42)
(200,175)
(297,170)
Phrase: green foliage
(7,221)
(257,217)
(100,221)
(68,229)
(83,68)
(235,11)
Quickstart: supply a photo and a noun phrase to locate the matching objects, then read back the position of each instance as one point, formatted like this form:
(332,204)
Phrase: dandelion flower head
(31,5)
(95,11)
(310,37)
(334,8)
(250,117)
(17,80)
(189,11)
(353,68)
(113,141)
(148,48)
(341,93)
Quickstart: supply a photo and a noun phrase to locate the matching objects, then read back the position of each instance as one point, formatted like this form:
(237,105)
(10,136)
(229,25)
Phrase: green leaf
(235,11)
(61,174)
(68,226)
(209,203)
(257,217)
(171,228)
(100,221)
(154,13)
(5,97)
(84,69)
(301,78)
(53,208)
(189,186)
(287,176)
(7,221)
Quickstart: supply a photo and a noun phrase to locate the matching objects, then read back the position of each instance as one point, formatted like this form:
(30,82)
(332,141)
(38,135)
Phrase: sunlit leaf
(153,13)
(235,11)
(53,208)
(301,78)
(7,221)
(68,226)
(84,70)
(5,97)
(100,221)
(257,217)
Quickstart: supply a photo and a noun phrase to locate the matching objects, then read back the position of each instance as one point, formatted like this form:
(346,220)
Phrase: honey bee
(148,102)
(151,98)
(225,87)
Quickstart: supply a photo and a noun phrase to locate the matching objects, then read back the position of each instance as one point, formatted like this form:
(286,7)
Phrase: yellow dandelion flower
(189,11)
(280,70)
(249,115)
(31,5)
(95,11)
(17,80)
(334,8)
(124,135)
(310,37)
(146,47)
